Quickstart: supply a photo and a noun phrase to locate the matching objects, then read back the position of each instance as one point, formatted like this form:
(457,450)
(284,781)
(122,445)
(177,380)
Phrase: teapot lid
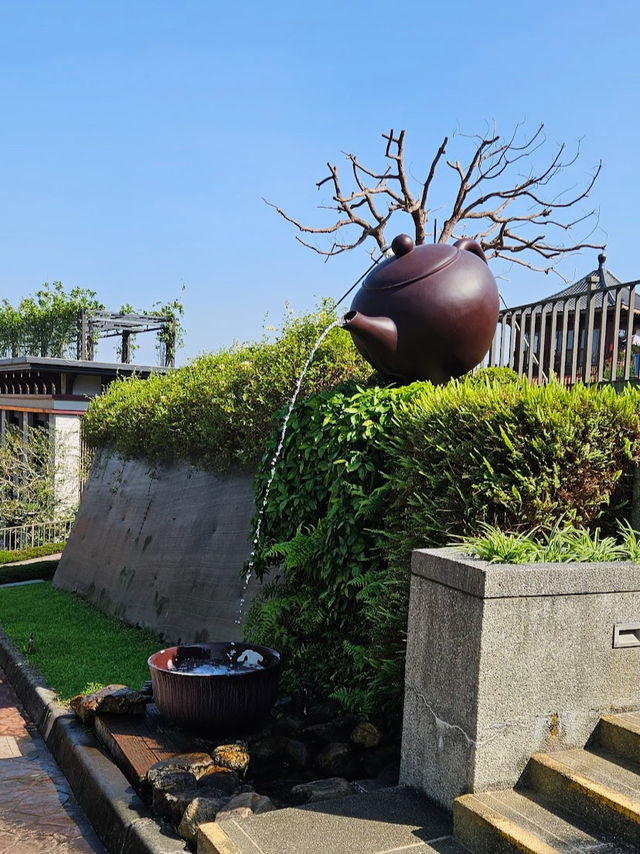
(409,263)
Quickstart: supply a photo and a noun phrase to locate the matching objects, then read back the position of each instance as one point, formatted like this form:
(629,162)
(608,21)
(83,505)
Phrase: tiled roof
(600,280)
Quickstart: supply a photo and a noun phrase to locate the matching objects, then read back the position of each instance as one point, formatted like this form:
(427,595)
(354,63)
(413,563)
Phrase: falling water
(274,462)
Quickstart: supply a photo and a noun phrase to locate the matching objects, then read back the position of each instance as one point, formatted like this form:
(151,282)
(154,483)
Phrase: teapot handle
(470,246)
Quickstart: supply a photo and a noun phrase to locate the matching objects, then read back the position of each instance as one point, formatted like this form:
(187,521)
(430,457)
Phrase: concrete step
(619,735)
(520,821)
(377,822)
(599,788)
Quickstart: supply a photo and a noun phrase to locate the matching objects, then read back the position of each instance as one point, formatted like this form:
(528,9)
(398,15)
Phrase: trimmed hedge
(15,555)
(218,411)
(367,475)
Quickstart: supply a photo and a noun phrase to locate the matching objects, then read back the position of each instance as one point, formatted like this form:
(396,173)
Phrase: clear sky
(140,137)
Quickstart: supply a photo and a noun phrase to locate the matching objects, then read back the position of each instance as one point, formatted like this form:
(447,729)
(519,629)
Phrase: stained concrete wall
(162,547)
(504,661)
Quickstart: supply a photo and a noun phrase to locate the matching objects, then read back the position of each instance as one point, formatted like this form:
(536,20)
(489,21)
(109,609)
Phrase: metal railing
(586,337)
(34,534)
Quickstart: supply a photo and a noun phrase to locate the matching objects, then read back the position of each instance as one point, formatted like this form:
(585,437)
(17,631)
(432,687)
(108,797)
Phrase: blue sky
(139,138)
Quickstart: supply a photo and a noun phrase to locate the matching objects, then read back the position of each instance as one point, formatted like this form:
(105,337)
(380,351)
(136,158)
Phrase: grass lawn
(76,647)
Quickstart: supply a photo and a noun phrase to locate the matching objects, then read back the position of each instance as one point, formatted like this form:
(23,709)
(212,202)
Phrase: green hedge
(369,474)
(14,555)
(218,411)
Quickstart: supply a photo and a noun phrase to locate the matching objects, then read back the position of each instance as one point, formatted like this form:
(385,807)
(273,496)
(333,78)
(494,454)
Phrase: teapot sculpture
(427,313)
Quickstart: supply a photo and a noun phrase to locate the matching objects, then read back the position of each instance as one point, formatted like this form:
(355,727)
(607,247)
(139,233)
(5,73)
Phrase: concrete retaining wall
(162,547)
(504,661)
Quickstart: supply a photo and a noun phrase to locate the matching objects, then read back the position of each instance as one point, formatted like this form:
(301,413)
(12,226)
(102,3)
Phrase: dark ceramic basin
(238,696)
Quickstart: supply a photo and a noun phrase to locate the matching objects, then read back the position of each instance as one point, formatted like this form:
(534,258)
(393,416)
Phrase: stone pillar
(65,435)
(504,661)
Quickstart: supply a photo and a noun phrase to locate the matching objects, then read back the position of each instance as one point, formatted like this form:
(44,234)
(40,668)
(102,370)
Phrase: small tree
(27,476)
(512,207)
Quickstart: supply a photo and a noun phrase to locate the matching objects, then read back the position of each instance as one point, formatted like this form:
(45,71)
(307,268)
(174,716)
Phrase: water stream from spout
(272,471)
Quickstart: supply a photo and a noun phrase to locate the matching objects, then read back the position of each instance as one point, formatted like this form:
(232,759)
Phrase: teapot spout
(371,335)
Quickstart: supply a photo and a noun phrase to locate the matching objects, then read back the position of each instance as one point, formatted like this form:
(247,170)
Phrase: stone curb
(117,814)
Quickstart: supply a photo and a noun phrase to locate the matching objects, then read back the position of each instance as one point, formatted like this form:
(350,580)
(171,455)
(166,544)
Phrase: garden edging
(117,814)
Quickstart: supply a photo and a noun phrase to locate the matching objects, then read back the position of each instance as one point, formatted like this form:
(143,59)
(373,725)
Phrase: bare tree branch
(508,209)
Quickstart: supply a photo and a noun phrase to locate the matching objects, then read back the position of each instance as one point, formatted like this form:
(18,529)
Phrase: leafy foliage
(561,544)
(27,473)
(219,410)
(367,475)
(45,324)
(13,555)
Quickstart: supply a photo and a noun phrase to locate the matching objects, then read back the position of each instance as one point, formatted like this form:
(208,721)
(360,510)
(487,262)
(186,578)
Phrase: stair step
(592,785)
(510,821)
(620,735)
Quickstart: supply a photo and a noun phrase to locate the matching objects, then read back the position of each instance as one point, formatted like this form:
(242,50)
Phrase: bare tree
(502,200)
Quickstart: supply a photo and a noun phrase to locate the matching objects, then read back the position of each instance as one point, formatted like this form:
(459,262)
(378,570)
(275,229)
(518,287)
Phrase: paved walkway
(38,813)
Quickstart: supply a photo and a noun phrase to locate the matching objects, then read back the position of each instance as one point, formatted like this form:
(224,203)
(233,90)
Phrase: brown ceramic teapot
(427,313)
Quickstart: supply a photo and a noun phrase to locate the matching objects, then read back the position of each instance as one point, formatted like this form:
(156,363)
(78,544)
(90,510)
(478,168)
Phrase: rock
(264,804)
(336,759)
(112,699)
(245,805)
(297,752)
(319,733)
(366,734)
(197,764)
(322,713)
(172,804)
(343,726)
(322,790)
(268,748)
(232,756)
(289,725)
(199,811)
(374,760)
(169,780)
(219,779)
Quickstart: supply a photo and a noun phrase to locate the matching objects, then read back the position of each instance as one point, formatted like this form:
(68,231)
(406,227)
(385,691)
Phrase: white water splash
(274,463)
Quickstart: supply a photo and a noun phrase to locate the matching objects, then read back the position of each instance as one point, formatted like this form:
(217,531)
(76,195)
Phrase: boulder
(196,764)
(233,756)
(297,752)
(112,699)
(218,780)
(336,759)
(245,805)
(271,747)
(365,734)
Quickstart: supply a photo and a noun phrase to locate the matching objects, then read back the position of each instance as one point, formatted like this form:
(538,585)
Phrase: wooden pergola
(95,325)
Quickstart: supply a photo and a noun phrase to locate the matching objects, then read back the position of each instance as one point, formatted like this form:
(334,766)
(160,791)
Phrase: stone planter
(507,660)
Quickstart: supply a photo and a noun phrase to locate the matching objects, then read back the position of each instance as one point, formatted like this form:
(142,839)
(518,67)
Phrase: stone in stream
(112,700)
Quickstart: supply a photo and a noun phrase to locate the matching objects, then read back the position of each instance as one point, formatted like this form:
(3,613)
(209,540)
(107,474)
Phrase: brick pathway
(38,813)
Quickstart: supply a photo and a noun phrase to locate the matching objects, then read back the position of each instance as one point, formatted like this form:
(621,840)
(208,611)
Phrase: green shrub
(367,475)
(14,555)
(561,544)
(219,410)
